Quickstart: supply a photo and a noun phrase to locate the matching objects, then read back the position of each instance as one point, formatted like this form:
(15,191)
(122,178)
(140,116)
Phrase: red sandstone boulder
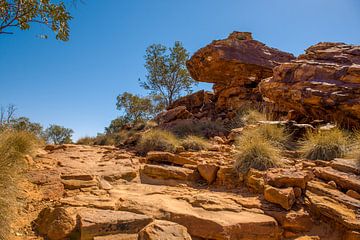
(323,83)
(236,65)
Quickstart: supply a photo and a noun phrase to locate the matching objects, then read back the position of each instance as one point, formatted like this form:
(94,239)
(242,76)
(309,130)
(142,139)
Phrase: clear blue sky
(75,83)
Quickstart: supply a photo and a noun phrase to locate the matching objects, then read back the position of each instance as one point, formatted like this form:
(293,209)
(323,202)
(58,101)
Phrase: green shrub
(194,143)
(324,145)
(13,146)
(157,140)
(255,151)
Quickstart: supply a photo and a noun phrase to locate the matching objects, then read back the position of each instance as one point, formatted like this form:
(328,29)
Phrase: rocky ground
(91,192)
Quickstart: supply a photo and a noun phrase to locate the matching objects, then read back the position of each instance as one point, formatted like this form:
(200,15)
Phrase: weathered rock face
(323,83)
(236,65)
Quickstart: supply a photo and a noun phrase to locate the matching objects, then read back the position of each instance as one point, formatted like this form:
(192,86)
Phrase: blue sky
(75,83)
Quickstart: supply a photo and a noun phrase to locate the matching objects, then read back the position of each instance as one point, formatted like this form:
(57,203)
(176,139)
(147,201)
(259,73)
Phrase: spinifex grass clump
(13,146)
(255,151)
(157,140)
(324,145)
(276,134)
(194,143)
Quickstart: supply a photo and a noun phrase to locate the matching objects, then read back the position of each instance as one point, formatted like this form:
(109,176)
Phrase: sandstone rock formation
(196,194)
(323,84)
(235,65)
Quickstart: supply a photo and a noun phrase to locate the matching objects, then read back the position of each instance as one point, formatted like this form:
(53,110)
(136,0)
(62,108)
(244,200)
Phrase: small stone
(284,197)
(208,172)
(353,194)
(164,230)
(332,184)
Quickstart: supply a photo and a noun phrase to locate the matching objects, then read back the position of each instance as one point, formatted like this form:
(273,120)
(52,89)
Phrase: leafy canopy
(136,109)
(21,13)
(58,135)
(167,75)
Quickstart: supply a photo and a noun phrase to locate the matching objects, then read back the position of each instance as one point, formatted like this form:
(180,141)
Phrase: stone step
(95,222)
(346,165)
(332,209)
(324,189)
(342,179)
(168,172)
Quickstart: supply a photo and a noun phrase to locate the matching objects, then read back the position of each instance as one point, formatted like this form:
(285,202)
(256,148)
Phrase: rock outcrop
(323,83)
(235,65)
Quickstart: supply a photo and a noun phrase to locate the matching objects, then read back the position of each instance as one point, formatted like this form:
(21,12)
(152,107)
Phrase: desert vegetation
(157,140)
(256,151)
(325,144)
(14,145)
(194,143)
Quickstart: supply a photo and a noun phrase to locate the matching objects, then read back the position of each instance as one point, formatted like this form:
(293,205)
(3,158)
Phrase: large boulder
(55,223)
(323,83)
(235,65)
(164,230)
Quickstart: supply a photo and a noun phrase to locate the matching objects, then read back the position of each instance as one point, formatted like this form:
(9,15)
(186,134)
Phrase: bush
(194,143)
(324,145)
(86,141)
(157,140)
(255,151)
(204,128)
(13,146)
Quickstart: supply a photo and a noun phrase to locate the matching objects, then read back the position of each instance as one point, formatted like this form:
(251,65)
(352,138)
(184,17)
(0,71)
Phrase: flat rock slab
(95,222)
(344,180)
(334,210)
(346,165)
(72,184)
(324,189)
(291,177)
(168,172)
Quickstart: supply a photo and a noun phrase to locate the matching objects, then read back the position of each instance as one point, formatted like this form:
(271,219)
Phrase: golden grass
(256,151)
(276,134)
(13,146)
(324,145)
(194,143)
(157,140)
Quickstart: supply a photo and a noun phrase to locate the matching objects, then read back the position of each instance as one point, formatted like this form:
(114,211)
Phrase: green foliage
(136,108)
(117,125)
(157,140)
(13,146)
(167,75)
(24,124)
(22,13)
(324,145)
(194,143)
(58,135)
(255,151)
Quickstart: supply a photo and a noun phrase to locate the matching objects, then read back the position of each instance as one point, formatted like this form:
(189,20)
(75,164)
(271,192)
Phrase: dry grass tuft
(324,145)
(13,146)
(194,143)
(157,140)
(255,151)
(276,134)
